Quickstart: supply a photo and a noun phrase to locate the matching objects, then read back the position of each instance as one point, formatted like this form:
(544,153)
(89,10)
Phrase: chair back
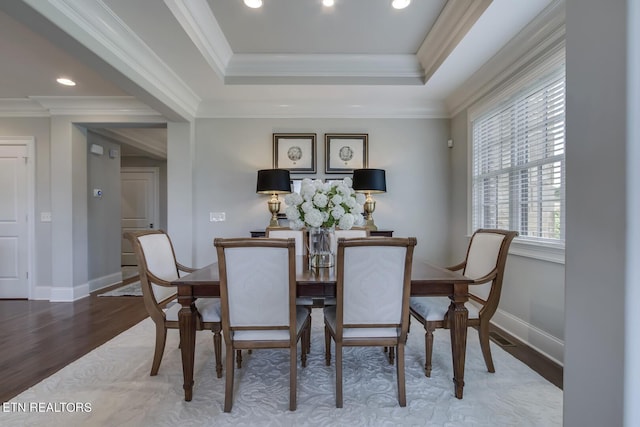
(347,234)
(156,260)
(300,236)
(487,254)
(373,286)
(257,288)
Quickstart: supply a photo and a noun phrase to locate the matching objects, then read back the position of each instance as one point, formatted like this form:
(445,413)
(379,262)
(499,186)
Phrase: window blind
(518,162)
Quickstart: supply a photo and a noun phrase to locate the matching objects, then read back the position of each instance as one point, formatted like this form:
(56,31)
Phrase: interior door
(140,205)
(13,222)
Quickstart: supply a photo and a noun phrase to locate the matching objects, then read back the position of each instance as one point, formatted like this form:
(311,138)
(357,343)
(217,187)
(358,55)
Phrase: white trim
(544,34)
(69,294)
(105,281)
(453,23)
(539,340)
(29,143)
(302,109)
(545,252)
(96,26)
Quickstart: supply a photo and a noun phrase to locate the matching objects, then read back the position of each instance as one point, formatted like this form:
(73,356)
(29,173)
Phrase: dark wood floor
(38,338)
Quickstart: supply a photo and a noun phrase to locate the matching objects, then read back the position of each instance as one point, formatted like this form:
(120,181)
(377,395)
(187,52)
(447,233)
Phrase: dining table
(426,280)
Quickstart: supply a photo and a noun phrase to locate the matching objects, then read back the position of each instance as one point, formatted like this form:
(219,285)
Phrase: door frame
(156,189)
(29,143)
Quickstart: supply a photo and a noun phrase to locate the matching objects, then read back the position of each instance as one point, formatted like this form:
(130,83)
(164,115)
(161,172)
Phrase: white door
(13,222)
(140,205)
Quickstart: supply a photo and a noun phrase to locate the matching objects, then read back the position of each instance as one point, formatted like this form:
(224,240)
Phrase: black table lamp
(274,182)
(369,181)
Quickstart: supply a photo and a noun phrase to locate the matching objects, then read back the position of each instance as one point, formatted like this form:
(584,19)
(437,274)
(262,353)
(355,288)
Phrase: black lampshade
(273,181)
(369,181)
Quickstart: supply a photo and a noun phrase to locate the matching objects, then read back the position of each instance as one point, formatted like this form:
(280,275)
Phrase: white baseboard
(69,294)
(42,293)
(105,281)
(545,344)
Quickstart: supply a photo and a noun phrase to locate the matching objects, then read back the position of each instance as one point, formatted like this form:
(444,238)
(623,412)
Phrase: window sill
(544,252)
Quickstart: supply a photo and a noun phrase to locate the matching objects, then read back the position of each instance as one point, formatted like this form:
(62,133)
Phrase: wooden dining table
(426,280)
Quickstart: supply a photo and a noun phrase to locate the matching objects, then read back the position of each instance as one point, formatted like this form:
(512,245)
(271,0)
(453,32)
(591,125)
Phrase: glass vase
(321,247)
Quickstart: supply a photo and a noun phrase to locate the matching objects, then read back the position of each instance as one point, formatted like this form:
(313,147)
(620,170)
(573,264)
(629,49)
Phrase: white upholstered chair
(485,263)
(372,295)
(158,267)
(258,293)
(302,244)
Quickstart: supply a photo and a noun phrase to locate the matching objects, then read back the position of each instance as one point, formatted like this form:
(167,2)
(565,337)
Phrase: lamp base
(369,225)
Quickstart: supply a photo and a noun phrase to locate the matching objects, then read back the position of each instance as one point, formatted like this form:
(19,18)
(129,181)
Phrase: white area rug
(131,290)
(114,380)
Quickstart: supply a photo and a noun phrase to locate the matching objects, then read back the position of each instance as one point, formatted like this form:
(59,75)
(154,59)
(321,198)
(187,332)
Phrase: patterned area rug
(113,382)
(130,290)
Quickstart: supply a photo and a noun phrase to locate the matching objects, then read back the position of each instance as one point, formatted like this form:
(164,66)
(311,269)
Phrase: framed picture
(295,152)
(345,152)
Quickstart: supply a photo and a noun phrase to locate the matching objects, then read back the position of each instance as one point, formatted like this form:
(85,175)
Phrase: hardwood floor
(38,338)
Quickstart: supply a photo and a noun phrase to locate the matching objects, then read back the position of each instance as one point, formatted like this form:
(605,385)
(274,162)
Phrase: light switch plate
(45,216)
(217,216)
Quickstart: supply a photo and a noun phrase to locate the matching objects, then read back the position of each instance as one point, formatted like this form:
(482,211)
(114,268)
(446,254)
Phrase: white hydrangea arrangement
(325,205)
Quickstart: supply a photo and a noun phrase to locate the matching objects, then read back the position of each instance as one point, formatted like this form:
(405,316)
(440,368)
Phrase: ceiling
(183,59)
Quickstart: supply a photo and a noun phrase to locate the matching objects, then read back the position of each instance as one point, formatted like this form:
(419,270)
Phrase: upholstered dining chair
(302,245)
(353,232)
(258,296)
(158,267)
(373,283)
(485,263)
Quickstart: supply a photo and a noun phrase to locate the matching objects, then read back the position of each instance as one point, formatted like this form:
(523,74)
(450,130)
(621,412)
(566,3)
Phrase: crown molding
(21,107)
(453,23)
(326,109)
(323,69)
(200,24)
(98,28)
(198,21)
(540,39)
(47,106)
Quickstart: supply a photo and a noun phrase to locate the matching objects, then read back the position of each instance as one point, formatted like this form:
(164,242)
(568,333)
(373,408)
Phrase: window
(518,162)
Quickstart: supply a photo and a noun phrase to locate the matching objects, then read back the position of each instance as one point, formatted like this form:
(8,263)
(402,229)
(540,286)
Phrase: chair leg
(161,339)
(338,375)
(239,358)
(483,333)
(327,346)
(293,373)
(303,346)
(228,389)
(392,355)
(217,349)
(402,393)
(428,349)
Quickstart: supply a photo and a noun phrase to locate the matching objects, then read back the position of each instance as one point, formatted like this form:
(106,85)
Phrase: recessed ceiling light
(65,81)
(328,3)
(400,4)
(253,4)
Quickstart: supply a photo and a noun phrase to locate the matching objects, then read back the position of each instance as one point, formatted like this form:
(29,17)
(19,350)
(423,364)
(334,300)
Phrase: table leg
(187,321)
(458,317)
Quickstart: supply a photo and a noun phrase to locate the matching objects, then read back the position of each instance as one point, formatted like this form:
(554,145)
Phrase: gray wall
(597,143)
(104,214)
(414,153)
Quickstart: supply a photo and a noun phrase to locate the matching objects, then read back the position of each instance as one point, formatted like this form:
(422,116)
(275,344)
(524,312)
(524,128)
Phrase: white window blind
(519,162)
